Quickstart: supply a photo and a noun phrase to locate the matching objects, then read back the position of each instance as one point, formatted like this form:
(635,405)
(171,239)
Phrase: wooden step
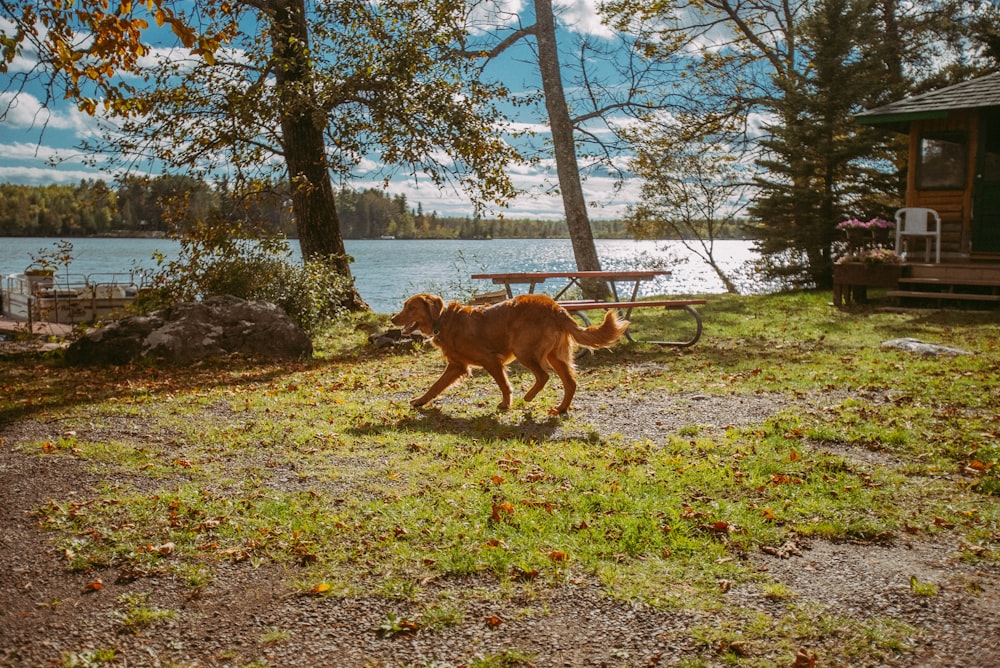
(948,281)
(962,296)
(954,273)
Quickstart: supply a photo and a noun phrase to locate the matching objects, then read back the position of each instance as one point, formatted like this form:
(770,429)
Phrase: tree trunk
(302,141)
(564,146)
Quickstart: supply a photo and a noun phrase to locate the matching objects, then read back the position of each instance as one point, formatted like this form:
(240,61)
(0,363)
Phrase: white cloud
(520,127)
(491,14)
(579,16)
(27,151)
(46,176)
(582,16)
(24,111)
(540,199)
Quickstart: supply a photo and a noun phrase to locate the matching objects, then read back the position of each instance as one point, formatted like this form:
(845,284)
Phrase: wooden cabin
(953,168)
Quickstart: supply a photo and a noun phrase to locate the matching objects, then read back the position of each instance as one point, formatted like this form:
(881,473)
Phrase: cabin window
(942,161)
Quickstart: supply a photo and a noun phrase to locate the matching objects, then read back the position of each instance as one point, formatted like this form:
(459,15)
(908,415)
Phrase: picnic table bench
(628,282)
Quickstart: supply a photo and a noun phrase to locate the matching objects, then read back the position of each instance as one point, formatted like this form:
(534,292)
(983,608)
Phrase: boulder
(921,348)
(190,331)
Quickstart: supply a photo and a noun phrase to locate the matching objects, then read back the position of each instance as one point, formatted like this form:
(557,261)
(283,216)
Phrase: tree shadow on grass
(34,386)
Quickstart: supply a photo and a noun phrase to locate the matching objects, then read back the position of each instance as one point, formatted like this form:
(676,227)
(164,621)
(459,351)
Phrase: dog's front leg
(452,373)
(499,372)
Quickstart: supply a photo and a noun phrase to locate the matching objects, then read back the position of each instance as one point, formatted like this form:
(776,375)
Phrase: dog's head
(419,313)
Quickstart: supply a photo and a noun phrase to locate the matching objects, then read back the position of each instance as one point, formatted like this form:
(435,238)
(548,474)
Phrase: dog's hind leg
(452,373)
(562,364)
(541,376)
(499,372)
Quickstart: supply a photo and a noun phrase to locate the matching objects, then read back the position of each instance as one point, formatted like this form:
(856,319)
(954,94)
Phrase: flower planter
(882,236)
(852,279)
(857,238)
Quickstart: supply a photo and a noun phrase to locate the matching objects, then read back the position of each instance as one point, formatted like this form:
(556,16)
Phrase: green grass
(323,466)
(136,615)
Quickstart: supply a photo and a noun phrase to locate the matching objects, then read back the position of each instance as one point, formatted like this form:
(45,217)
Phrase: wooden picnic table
(573,279)
(618,282)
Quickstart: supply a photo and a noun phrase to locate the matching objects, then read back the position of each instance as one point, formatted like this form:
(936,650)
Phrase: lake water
(388,271)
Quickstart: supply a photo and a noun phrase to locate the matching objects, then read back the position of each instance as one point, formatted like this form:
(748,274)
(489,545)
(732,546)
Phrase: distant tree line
(172,204)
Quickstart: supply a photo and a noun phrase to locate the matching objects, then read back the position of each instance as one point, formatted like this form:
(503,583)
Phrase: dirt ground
(49,617)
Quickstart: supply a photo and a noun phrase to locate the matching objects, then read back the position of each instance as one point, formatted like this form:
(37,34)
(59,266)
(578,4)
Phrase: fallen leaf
(556,555)
(96,585)
(499,508)
(519,573)
(320,588)
(738,648)
(804,660)
(493,621)
(785,551)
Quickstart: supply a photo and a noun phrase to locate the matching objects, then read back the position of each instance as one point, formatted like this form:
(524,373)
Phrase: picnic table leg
(693,312)
(566,287)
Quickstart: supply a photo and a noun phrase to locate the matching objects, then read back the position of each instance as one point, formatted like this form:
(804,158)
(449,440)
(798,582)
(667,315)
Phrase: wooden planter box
(852,279)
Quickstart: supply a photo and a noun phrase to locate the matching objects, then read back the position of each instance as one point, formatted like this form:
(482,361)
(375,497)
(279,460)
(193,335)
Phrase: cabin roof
(973,94)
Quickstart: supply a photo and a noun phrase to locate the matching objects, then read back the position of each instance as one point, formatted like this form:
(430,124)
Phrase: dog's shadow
(496,425)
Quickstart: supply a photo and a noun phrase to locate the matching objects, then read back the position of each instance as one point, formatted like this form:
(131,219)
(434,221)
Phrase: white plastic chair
(915,222)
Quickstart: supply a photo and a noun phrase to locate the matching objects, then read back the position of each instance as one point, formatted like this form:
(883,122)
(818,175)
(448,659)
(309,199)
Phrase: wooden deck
(941,284)
(11,326)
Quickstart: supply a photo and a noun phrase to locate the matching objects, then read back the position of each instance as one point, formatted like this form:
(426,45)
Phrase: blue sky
(37,138)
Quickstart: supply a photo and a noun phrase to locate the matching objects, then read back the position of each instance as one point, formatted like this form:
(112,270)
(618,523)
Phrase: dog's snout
(399,318)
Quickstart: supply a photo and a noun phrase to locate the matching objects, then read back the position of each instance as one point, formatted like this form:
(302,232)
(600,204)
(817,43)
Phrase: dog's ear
(435,306)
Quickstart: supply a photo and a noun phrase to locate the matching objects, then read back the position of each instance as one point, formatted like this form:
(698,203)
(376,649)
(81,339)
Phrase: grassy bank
(323,468)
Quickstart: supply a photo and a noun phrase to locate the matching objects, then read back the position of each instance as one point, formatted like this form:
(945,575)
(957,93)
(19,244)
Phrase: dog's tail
(604,335)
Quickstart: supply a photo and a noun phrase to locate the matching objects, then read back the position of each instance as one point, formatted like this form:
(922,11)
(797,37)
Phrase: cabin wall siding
(954,206)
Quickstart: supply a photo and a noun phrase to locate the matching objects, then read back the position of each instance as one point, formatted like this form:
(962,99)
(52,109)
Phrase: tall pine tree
(819,165)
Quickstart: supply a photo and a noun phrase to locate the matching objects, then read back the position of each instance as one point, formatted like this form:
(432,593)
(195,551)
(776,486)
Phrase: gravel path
(250,616)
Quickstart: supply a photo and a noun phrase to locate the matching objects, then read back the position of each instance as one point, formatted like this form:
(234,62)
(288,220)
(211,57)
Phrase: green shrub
(229,261)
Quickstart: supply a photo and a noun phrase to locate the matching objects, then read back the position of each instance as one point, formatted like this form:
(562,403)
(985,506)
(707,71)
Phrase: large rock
(191,331)
(919,347)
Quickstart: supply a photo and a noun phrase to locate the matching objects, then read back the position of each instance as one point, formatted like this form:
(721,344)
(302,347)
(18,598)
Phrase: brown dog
(533,329)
